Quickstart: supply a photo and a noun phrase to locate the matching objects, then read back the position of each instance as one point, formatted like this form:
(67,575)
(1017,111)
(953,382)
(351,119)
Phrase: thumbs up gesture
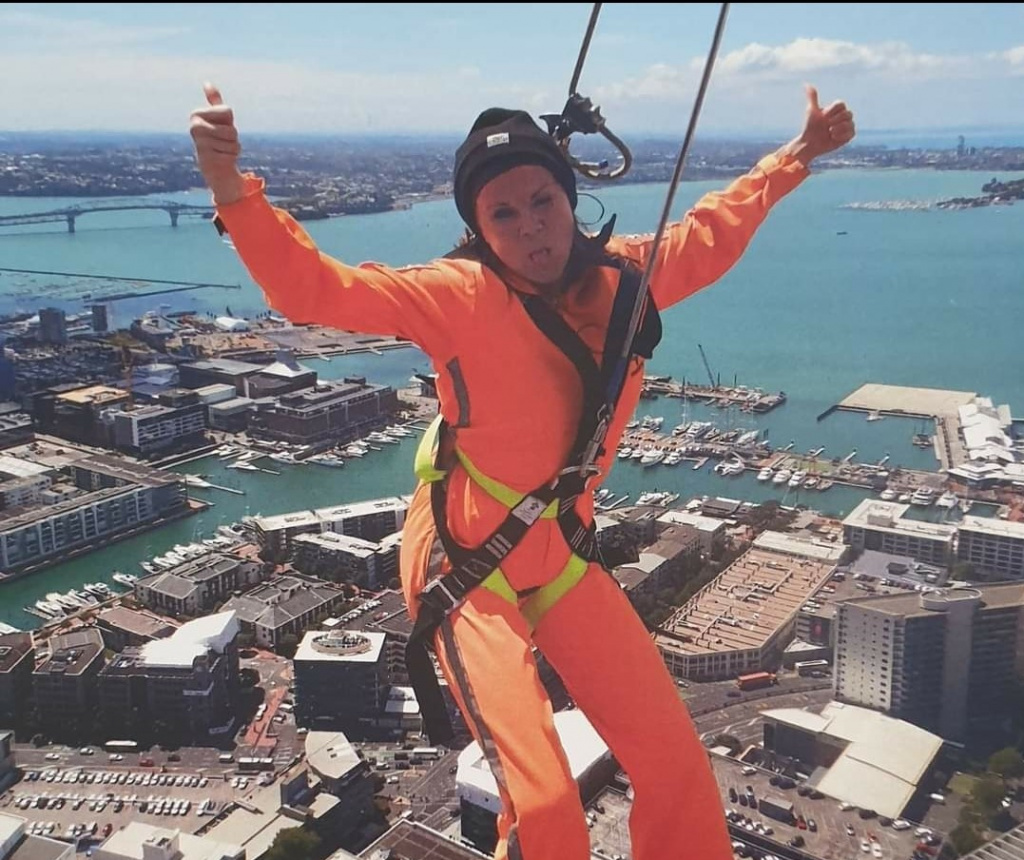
(217,148)
(825,129)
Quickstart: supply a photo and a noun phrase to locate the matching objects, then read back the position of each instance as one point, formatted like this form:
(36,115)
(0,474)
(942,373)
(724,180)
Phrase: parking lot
(838,830)
(76,802)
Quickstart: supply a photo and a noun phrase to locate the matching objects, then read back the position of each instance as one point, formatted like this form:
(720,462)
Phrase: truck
(777,808)
(756,680)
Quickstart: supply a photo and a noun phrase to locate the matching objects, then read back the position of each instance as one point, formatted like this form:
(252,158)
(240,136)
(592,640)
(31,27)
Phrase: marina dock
(937,404)
(746,399)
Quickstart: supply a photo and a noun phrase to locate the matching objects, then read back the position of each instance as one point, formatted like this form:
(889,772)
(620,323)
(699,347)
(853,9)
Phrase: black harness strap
(601,391)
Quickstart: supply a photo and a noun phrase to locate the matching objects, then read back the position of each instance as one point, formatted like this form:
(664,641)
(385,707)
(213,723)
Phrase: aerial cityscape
(816,509)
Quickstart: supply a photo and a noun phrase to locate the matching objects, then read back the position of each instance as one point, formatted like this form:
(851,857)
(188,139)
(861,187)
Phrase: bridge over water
(71,214)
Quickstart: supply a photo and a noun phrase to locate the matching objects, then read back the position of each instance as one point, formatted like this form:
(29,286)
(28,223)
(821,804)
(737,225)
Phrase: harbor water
(825,299)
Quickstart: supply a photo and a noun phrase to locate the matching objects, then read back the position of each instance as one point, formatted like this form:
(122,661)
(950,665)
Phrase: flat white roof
(796,545)
(193,639)
(582,744)
(402,700)
(989,526)
(330,754)
(341,646)
(332,540)
(11,828)
(884,759)
(126,844)
(888,517)
(18,468)
(682,518)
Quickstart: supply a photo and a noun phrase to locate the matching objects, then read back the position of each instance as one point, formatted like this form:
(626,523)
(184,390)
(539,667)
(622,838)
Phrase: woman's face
(525,217)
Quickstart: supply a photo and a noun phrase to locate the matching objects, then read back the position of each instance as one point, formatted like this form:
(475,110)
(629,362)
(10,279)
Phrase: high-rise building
(53,326)
(945,659)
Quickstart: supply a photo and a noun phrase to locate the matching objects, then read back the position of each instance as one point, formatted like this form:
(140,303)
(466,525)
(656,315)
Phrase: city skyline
(429,68)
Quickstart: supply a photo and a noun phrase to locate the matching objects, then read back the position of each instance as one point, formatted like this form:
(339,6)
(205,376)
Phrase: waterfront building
(197,585)
(945,659)
(666,557)
(122,627)
(712,530)
(100,318)
(342,558)
(17,662)
(147,430)
(231,416)
(184,686)
(330,412)
(340,681)
(197,374)
(994,548)
(371,520)
(287,605)
(64,685)
(881,526)
(282,377)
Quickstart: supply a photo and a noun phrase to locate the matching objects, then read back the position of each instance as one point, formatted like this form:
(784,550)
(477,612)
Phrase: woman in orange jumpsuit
(513,401)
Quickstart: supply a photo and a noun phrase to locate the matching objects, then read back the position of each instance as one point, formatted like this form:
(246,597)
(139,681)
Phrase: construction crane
(707,367)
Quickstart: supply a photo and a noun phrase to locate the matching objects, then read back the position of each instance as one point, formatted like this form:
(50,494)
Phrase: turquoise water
(929,299)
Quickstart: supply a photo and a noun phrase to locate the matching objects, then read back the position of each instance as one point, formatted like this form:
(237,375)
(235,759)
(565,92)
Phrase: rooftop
(911,401)
(225,365)
(410,840)
(798,545)
(996,528)
(135,622)
(340,646)
(701,523)
(13,648)
(193,639)
(884,758)
(330,754)
(746,604)
(71,653)
(96,394)
(913,604)
(888,517)
(127,844)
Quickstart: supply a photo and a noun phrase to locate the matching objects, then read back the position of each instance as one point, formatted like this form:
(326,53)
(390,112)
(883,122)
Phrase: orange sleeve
(696,251)
(427,304)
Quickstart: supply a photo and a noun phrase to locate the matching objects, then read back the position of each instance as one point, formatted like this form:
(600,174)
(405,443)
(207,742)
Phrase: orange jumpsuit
(513,399)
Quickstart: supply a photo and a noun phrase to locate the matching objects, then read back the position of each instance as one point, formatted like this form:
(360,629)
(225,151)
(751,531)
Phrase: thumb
(812,98)
(213,96)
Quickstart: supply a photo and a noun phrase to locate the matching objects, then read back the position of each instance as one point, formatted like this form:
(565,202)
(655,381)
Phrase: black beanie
(499,140)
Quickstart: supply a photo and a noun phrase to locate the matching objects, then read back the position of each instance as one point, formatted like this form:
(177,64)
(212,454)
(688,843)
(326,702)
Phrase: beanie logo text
(497,139)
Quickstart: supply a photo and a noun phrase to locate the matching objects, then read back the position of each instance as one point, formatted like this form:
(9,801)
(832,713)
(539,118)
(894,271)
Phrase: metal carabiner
(581,116)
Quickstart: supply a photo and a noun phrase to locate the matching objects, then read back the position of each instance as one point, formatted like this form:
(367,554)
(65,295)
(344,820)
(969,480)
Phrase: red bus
(756,680)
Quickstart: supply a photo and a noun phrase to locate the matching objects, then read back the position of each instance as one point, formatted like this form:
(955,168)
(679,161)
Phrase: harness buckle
(439,597)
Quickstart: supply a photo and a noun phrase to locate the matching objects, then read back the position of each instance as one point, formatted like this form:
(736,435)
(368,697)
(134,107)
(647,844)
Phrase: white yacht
(625,453)
(924,496)
(947,500)
(673,458)
(888,495)
(125,579)
(652,457)
(765,474)
(798,478)
(782,476)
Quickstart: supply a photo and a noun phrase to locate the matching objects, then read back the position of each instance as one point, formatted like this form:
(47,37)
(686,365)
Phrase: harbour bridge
(71,214)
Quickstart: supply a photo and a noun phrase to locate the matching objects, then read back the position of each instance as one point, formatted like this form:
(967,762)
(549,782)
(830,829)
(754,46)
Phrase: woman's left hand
(825,129)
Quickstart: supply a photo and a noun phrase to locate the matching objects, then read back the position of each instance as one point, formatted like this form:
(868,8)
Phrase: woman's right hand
(217,147)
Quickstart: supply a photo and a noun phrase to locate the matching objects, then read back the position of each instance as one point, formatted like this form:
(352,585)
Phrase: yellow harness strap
(536,605)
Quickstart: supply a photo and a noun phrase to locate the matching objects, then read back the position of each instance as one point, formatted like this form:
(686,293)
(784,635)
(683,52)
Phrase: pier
(747,399)
(940,405)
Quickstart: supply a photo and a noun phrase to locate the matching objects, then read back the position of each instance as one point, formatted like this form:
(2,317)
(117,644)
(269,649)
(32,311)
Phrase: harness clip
(439,597)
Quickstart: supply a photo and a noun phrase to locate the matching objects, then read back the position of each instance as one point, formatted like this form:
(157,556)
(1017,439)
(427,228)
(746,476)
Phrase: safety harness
(555,499)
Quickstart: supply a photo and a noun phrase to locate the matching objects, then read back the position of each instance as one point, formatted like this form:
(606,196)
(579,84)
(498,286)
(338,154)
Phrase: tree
(1007,762)
(965,839)
(988,792)
(295,843)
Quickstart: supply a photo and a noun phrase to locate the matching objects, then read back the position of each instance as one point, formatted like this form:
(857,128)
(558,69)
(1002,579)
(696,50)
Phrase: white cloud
(44,33)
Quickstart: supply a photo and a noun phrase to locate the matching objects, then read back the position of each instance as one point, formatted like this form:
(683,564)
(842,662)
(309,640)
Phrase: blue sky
(357,68)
